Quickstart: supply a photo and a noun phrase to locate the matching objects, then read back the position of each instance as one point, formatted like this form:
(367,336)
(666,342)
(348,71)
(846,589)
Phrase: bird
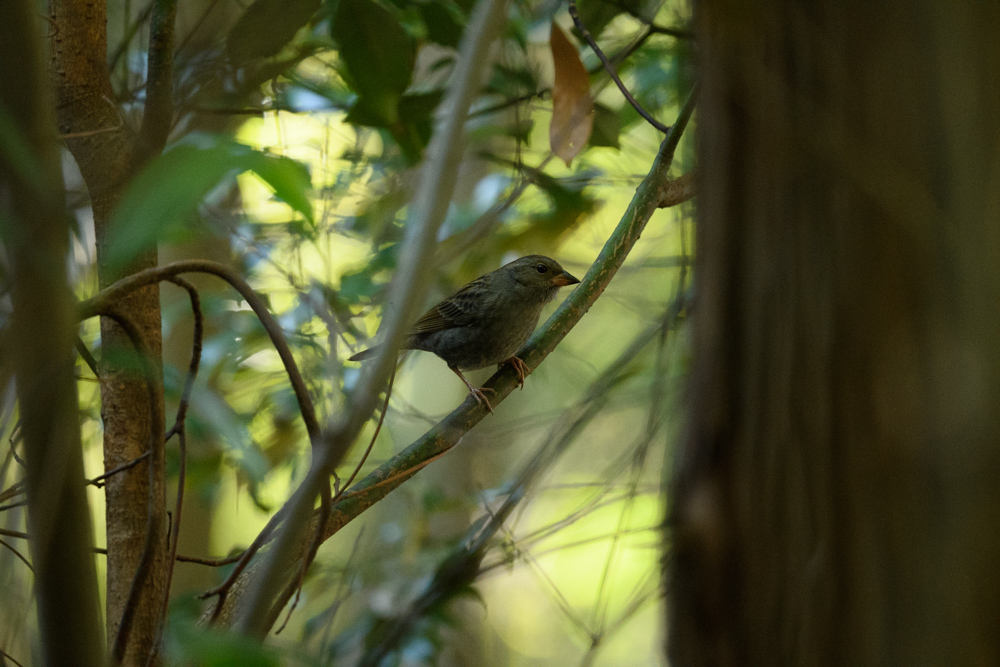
(488,320)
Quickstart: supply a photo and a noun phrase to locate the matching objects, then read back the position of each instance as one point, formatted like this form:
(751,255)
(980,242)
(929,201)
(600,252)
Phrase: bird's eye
(541,268)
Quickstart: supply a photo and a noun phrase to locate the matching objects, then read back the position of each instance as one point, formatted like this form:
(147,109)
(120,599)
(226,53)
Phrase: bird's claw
(479,393)
(520,368)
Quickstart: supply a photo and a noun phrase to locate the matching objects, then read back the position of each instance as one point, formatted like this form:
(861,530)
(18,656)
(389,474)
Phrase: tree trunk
(838,491)
(105,149)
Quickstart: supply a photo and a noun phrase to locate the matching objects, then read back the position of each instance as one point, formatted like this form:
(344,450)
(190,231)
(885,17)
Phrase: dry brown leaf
(572,106)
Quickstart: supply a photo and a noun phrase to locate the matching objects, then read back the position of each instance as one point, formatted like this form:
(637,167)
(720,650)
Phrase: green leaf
(267,26)
(378,56)
(171,187)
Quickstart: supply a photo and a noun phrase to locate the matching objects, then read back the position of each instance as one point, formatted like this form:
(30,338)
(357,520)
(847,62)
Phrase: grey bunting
(488,320)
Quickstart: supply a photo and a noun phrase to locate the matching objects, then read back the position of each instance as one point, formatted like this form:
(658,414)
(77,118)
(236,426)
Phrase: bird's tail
(366,354)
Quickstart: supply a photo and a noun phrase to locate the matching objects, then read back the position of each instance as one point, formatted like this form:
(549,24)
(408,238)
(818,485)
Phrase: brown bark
(39,347)
(105,149)
(839,488)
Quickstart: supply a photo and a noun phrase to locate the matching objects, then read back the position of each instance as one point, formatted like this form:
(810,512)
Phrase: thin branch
(179,429)
(14,489)
(371,443)
(455,246)
(324,514)
(196,344)
(611,69)
(211,562)
(101,479)
(292,586)
(18,554)
(222,590)
(8,656)
(87,357)
(7,532)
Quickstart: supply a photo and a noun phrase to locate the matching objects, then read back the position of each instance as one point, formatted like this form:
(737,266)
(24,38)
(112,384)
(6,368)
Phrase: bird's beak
(563,279)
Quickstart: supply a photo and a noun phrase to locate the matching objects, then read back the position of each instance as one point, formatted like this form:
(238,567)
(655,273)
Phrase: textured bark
(104,149)
(39,348)
(839,489)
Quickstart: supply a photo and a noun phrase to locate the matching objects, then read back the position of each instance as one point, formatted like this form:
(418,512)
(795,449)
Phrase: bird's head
(541,272)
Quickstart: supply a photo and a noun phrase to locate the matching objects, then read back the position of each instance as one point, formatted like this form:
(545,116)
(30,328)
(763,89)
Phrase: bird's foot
(520,368)
(479,393)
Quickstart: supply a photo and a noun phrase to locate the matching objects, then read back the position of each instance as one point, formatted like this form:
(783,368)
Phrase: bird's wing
(455,311)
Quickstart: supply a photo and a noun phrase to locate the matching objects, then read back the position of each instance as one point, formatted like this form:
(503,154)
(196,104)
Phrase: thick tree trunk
(839,490)
(105,149)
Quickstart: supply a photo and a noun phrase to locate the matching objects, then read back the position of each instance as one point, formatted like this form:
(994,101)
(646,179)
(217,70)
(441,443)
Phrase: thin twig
(179,429)
(211,562)
(8,656)
(7,532)
(18,554)
(101,479)
(196,344)
(87,357)
(222,590)
(14,489)
(317,539)
(371,443)
(611,70)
